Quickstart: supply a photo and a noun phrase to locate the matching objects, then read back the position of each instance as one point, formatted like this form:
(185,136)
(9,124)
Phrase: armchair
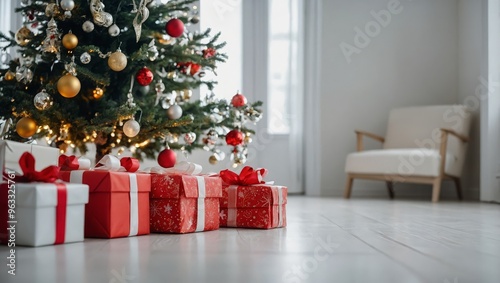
(423,145)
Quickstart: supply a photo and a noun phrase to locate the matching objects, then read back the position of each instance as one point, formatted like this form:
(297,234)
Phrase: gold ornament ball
(68,86)
(9,76)
(24,36)
(213,159)
(186,94)
(171,75)
(97,93)
(26,127)
(70,41)
(117,61)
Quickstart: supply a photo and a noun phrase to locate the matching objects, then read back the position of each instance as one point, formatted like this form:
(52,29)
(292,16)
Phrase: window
(225,16)
(283,73)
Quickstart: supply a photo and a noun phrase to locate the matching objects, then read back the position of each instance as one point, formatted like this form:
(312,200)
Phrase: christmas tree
(118,73)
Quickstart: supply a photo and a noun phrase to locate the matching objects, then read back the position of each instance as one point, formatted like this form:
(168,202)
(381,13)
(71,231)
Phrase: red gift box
(248,202)
(255,206)
(118,202)
(184,203)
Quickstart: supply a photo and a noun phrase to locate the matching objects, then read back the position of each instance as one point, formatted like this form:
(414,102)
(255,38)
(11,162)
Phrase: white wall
(470,26)
(490,114)
(412,61)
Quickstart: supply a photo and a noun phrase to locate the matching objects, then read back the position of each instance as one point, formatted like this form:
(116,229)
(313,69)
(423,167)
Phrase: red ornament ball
(234,137)
(239,100)
(195,68)
(144,76)
(174,27)
(209,53)
(167,158)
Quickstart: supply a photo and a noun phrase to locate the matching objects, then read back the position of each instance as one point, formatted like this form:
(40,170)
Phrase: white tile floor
(327,240)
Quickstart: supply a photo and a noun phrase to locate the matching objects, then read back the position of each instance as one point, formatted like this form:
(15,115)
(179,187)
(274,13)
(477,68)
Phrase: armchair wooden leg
(348,186)
(436,189)
(458,185)
(390,189)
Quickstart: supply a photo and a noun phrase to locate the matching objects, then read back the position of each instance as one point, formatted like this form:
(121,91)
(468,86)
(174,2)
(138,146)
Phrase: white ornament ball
(131,128)
(85,58)
(67,5)
(190,138)
(114,30)
(174,112)
(88,26)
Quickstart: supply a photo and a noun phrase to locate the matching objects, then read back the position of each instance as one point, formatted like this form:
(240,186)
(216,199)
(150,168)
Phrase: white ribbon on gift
(109,163)
(84,163)
(232,201)
(280,206)
(112,163)
(200,223)
(182,168)
(134,205)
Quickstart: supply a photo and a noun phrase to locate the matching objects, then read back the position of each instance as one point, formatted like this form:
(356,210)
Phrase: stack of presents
(48,199)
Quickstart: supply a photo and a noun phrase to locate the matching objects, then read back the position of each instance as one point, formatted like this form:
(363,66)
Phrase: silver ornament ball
(67,5)
(174,112)
(190,137)
(114,30)
(144,89)
(85,58)
(88,26)
(43,100)
(195,20)
(131,128)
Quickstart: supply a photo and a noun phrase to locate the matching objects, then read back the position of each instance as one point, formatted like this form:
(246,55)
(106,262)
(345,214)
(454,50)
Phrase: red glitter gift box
(184,203)
(247,202)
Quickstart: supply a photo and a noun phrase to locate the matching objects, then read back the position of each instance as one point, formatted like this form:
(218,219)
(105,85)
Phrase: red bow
(27,163)
(68,163)
(130,164)
(248,176)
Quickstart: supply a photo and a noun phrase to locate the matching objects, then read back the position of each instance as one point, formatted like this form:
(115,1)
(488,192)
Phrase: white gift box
(10,152)
(36,213)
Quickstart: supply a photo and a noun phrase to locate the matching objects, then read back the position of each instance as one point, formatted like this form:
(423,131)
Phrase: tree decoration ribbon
(27,163)
(248,176)
(69,163)
(4,129)
(181,168)
(142,14)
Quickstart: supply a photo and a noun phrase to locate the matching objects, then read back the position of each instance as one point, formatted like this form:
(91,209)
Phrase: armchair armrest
(361,134)
(453,133)
(444,143)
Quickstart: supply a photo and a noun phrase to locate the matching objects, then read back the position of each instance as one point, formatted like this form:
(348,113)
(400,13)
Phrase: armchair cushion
(404,162)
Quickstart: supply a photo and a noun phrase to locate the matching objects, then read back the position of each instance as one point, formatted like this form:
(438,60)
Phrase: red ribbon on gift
(130,164)
(62,201)
(248,176)
(68,163)
(27,164)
